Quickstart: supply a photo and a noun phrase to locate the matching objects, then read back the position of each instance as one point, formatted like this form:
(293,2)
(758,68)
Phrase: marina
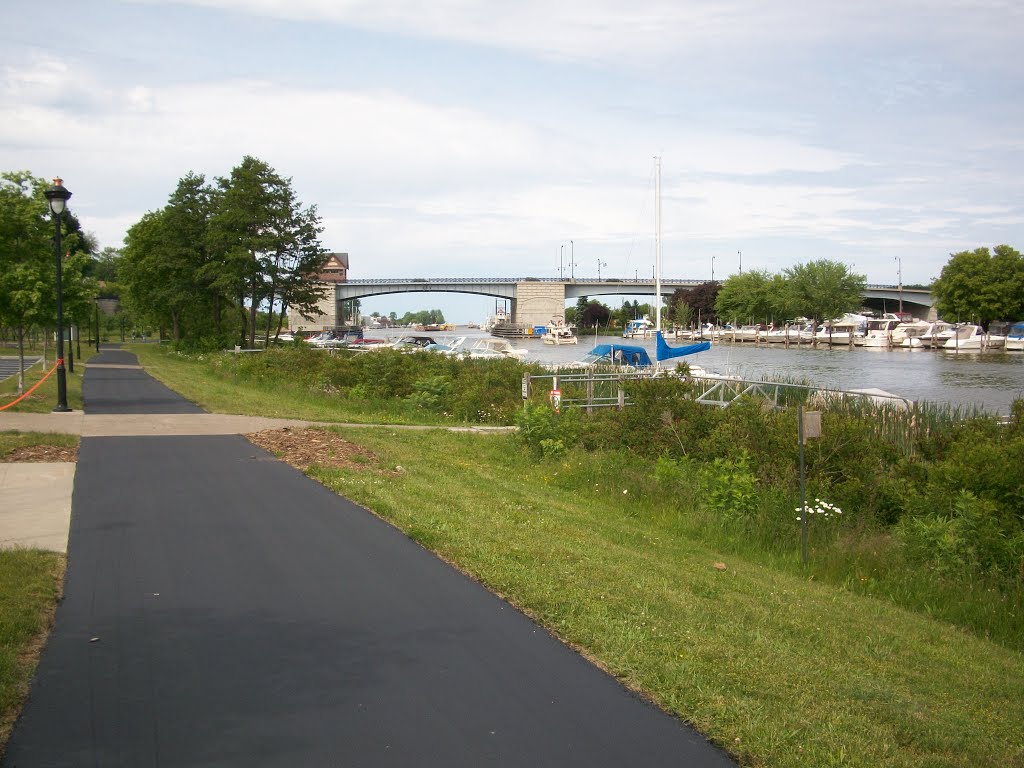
(985,379)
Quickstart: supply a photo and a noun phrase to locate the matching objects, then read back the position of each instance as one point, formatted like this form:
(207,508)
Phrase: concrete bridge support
(537,303)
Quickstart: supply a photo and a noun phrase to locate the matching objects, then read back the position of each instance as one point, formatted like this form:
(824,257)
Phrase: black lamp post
(57,196)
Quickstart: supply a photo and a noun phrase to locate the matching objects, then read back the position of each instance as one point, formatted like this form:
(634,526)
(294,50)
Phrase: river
(990,380)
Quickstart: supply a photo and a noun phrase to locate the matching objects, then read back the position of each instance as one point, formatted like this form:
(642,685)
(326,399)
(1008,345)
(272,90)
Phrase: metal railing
(594,388)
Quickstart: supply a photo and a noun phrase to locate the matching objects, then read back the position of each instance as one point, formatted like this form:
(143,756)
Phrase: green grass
(30,585)
(778,668)
(45,398)
(10,441)
(194,379)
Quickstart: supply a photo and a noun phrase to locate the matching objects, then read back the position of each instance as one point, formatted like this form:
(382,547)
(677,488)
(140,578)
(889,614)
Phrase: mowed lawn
(779,669)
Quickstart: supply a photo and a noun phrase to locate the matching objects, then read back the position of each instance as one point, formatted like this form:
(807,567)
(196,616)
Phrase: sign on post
(526,386)
(812,425)
(808,427)
(556,400)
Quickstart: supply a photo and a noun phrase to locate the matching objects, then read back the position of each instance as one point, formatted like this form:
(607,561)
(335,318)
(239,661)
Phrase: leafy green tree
(156,287)
(822,289)
(27,269)
(103,266)
(266,245)
(981,285)
(747,297)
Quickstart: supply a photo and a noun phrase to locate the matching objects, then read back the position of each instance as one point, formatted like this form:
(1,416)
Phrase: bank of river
(991,380)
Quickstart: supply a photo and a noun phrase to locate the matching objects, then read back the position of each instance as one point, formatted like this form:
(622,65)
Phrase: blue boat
(665,352)
(625,355)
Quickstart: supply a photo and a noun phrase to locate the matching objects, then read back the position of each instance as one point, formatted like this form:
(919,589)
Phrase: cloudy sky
(479,137)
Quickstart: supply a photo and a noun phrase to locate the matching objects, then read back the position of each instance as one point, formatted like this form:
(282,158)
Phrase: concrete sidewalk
(36,508)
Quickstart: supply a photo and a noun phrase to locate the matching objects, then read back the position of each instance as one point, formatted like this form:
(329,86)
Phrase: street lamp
(58,196)
(572,260)
(599,265)
(712,269)
(561,250)
(741,261)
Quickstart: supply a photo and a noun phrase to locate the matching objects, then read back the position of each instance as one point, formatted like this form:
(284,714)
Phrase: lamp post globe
(57,196)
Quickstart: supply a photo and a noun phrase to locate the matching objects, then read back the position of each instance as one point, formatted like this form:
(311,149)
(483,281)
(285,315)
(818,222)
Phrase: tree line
(980,286)
(206,263)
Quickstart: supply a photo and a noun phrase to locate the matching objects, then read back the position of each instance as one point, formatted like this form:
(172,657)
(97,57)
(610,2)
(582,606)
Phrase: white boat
(487,347)
(560,333)
(879,332)
(841,332)
(971,338)
(1015,338)
(641,328)
(903,333)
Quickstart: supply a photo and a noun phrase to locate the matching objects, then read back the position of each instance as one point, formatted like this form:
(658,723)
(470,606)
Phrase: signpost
(808,427)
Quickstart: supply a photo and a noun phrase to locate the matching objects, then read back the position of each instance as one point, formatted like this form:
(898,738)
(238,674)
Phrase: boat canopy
(665,352)
(621,354)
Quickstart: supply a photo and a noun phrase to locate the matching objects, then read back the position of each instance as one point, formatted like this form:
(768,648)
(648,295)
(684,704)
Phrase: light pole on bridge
(712,269)
(899,267)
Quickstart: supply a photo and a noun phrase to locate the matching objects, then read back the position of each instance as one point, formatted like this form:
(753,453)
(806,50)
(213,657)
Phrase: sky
(478,138)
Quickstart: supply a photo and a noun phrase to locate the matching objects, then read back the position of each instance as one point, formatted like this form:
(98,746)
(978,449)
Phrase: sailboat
(665,352)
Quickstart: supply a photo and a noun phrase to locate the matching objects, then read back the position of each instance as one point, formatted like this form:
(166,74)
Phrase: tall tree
(263,240)
(823,289)
(747,297)
(27,268)
(981,285)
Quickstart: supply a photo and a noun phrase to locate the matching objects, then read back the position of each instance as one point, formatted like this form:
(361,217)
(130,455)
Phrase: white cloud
(648,30)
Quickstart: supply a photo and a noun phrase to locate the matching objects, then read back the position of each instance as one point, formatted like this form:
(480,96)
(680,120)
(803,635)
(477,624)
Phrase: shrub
(731,488)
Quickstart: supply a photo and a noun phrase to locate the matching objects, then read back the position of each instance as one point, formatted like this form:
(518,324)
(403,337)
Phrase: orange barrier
(34,388)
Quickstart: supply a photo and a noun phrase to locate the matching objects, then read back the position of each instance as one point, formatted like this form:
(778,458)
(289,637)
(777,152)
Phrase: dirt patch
(304,447)
(42,453)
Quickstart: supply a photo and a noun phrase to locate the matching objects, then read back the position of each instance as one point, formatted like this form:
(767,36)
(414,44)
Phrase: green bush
(545,431)
(731,488)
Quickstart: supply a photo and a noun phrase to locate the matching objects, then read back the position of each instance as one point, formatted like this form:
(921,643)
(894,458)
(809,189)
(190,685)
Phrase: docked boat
(879,332)
(1015,338)
(971,338)
(486,347)
(641,328)
(841,332)
(559,333)
(625,357)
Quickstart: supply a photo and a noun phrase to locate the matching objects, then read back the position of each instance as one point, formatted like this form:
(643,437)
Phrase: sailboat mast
(657,243)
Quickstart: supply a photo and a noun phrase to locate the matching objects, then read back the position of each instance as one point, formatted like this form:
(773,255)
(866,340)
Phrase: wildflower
(626,491)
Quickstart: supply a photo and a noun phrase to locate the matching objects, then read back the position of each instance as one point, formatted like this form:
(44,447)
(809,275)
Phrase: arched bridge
(535,300)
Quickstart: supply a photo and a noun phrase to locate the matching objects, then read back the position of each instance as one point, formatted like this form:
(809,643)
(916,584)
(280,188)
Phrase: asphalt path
(116,389)
(221,609)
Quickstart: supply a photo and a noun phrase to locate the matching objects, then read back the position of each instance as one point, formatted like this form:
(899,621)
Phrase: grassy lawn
(778,668)
(10,441)
(44,398)
(30,585)
(279,399)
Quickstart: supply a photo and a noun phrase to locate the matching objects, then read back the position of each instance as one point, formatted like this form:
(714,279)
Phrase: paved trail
(221,609)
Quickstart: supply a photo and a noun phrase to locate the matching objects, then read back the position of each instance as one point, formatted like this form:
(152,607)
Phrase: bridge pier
(538,303)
